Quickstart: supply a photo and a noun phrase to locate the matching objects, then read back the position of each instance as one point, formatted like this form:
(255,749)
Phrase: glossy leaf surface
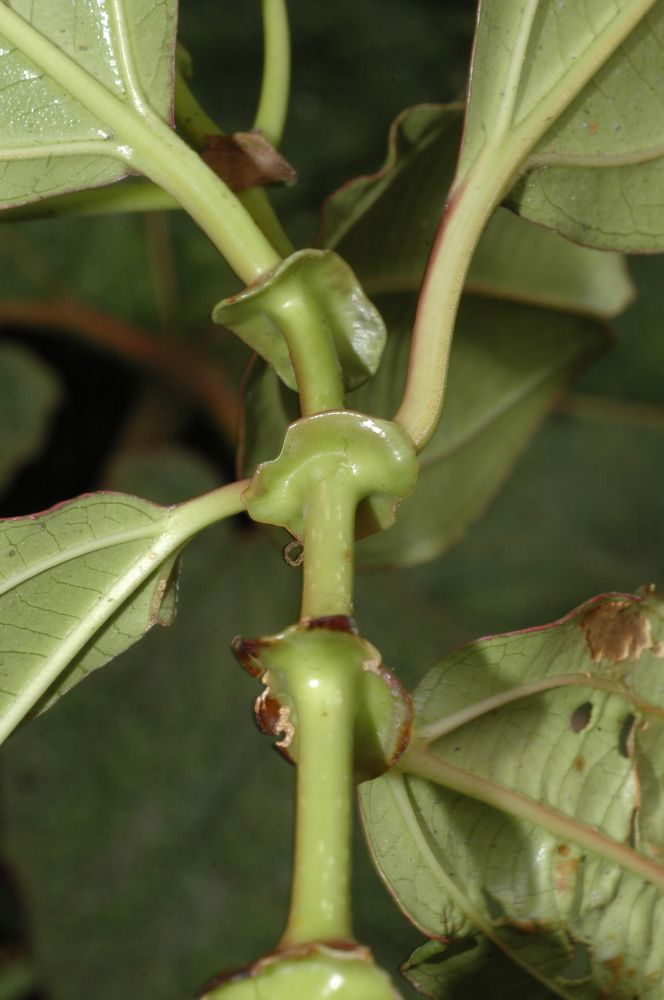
(570,94)
(567,718)
(50,142)
(29,393)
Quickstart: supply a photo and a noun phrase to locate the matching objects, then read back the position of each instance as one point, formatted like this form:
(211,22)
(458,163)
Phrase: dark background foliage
(145,823)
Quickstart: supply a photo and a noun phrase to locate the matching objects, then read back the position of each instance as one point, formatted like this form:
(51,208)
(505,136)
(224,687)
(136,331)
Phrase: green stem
(147,144)
(311,348)
(324,697)
(176,168)
(192,120)
(197,125)
(329,526)
(192,516)
(273,101)
(419,762)
(466,214)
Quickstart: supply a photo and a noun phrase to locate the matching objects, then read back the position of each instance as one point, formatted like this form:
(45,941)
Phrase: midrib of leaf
(149,146)
(433,731)
(128,68)
(514,140)
(420,762)
(74,79)
(477,190)
(182,522)
(83,631)
(504,118)
(406,807)
(69,554)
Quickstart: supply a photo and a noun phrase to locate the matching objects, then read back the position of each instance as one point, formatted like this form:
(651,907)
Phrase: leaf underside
(50,143)
(584,925)
(79,584)
(597,173)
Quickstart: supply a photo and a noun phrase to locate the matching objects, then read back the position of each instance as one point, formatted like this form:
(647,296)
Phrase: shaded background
(145,823)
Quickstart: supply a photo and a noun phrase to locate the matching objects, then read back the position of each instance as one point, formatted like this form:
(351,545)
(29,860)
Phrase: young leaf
(50,140)
(29,392)
(81,583)
(535,816)
(569,97)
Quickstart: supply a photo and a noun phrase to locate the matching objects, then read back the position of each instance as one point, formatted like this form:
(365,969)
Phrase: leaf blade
(80,583)
(570,916)
(570,103)
(50,141)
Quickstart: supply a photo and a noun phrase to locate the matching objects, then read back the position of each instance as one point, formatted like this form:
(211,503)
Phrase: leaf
(470,967)
(81,583)
(568,96)
(50,141)
(29,393)
(566,719)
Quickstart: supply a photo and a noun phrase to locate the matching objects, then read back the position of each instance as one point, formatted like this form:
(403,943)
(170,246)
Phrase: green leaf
(568,97)
(81,583)
(50,141)
(29,393)
(473,966)
(547,837)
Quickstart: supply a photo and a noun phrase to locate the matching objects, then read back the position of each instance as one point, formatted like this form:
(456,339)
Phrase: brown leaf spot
(616,631)
(615,967)
(246,160)
(564,874)
(579,763)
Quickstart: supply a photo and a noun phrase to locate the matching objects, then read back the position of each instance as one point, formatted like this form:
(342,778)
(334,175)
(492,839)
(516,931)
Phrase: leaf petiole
(273,101)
